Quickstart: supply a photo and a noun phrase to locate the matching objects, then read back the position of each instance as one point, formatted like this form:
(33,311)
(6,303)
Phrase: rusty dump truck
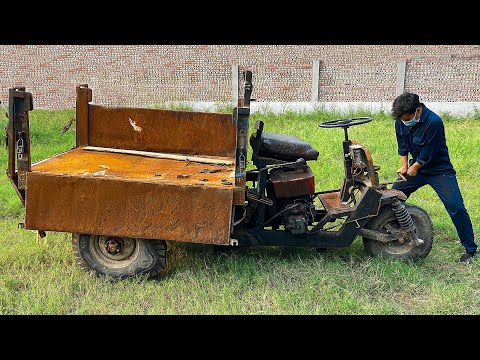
(139,177)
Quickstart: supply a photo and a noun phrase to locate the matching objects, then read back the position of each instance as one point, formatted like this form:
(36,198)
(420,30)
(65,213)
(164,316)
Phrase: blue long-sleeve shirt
(426,143)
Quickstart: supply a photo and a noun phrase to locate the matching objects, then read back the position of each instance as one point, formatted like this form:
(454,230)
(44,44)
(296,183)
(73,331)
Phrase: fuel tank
(292,182)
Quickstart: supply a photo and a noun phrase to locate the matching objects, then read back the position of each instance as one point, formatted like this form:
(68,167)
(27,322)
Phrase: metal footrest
(333,204)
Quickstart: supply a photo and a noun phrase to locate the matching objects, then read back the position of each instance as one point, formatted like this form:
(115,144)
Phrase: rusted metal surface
(332,202)
(239,194)
(362,160)
(79,162)
(370,168)
(84,96)
(117,194)
(386,193)
(182,132)
(134,196)
(292,183)
(216,160)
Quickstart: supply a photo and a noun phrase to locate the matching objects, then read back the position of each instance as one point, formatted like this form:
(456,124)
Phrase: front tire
(386,220)
(119,257)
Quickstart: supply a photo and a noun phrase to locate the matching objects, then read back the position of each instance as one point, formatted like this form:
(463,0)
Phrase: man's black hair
(406,103)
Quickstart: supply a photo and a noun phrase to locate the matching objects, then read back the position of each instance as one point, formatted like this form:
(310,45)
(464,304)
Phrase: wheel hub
(116,248)
(113,246)
(402,244)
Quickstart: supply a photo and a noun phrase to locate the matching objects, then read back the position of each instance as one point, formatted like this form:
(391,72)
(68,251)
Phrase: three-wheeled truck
(139,177)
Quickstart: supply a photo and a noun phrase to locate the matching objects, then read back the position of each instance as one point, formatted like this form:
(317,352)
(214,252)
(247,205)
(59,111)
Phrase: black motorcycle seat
(284,147)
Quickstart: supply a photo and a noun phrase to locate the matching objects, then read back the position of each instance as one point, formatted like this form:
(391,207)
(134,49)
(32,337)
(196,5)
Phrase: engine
(297,215)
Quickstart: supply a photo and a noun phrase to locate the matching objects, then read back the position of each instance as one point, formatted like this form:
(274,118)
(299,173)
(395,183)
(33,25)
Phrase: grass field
(43,277)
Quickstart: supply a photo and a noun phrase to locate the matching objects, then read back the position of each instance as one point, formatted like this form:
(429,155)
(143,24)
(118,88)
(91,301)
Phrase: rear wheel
(119,257)
(387,222)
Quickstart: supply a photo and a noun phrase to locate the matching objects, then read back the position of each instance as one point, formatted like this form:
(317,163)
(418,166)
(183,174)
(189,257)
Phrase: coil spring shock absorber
(406,221)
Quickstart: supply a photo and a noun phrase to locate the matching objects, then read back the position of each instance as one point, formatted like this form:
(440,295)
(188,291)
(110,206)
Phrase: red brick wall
(142,75)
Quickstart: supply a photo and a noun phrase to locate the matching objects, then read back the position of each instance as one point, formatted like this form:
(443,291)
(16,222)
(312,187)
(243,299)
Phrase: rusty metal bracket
(18,139)
(252,195)
(378,236)
(241,115)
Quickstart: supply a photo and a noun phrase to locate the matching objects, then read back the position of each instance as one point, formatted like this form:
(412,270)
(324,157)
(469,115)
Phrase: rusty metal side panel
(185,132)
(128,208)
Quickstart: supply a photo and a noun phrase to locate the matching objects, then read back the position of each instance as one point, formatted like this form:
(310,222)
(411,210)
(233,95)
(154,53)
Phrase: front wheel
(119,257)
(386,222)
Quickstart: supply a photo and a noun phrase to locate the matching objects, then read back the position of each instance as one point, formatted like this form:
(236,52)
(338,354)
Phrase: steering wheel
(345,123)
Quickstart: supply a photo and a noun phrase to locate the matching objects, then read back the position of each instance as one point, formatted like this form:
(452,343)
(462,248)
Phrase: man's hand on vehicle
(413,170)
(403,170)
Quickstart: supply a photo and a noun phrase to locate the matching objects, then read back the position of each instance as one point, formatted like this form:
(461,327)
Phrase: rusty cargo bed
(88,191)
(129,195)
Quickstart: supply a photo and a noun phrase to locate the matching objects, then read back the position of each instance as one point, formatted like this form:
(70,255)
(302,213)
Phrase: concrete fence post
(401,77)
(315,80)
(235,87)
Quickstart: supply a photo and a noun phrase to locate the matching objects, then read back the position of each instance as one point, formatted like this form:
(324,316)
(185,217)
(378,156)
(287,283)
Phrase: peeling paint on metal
(135,126)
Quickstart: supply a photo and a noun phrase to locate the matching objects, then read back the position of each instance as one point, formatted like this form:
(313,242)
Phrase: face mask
(411,122)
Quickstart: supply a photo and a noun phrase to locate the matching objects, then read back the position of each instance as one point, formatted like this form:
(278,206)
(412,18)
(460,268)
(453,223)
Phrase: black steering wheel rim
(345,123)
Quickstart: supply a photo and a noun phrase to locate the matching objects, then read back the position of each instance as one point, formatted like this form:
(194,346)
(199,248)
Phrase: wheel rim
(114,251)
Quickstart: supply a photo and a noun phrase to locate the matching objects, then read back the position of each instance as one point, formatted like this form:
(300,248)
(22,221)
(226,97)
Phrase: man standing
(421,133)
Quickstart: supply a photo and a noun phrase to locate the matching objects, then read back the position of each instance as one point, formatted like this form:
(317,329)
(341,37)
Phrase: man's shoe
(467,257)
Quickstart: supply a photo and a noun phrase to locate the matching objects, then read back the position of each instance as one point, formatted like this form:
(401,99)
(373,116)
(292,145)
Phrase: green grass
(43,277)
